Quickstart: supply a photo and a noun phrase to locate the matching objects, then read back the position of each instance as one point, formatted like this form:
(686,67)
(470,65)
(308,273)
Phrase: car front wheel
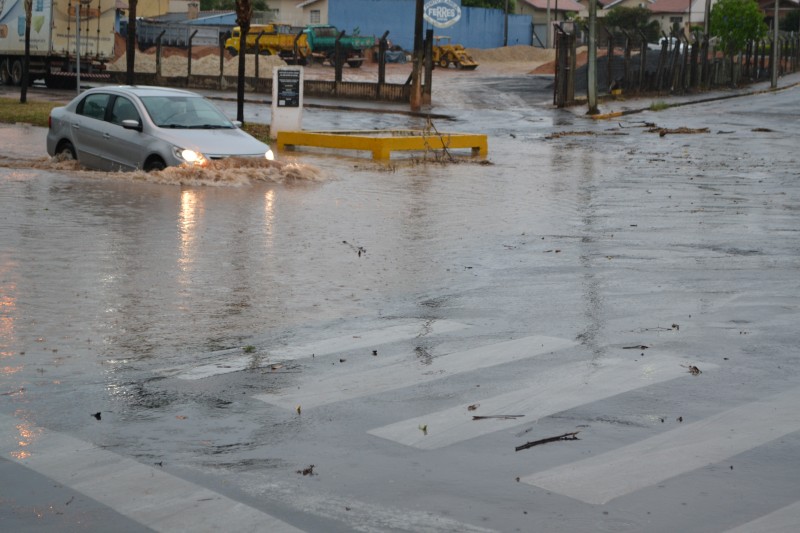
(153,164)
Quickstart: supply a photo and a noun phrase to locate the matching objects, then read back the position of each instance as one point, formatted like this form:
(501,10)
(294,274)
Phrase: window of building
(315,18)
(676,20)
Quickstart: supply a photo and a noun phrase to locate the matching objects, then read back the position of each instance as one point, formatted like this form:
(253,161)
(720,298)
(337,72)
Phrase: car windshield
(185,112)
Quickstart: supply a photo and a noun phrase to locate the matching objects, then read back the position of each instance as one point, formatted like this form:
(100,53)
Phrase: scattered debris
(693,370)
(299,409)
(423,428)
(342,360)
(763,130)
(374,352)
(500,417)
(181,417)
(473,406)
(559,134)
(358,249)
(249,349)
(308,471)
(97,415)
(676,327)
(680,419)
(13,392)
(159,464)
(637,347)
(664,131)
(565,436)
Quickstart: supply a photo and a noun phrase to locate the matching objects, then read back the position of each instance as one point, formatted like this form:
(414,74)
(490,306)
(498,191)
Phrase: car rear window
(94,106)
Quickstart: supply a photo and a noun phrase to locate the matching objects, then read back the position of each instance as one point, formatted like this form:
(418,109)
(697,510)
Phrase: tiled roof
(670,6)
(563,5)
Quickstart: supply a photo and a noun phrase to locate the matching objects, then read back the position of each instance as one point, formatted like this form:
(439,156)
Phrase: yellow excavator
(446,54)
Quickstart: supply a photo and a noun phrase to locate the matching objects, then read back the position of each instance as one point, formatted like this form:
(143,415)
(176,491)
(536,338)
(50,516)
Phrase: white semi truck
(53,39)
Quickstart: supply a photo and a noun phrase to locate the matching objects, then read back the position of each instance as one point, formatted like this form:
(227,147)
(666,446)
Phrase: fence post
(337,60)
(609,61)
(626,62)
(382,46)
(693,81)
(642,60)
(189,58)
(258,52)
(158,54)
(661,74)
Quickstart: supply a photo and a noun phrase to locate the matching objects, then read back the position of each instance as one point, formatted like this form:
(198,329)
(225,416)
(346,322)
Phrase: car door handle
(76,126)
(106,136)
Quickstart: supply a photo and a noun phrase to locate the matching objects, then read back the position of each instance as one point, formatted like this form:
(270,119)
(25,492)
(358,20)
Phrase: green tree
(490,4)
(791,22)
(735,22)
(230,5)
(632,20)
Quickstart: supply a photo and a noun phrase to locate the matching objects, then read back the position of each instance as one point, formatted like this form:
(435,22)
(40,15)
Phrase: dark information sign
(288,88)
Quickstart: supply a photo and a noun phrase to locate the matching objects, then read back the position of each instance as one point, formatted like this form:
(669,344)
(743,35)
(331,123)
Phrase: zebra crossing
(146,494)
(230,363)
(596,480)
(167,503)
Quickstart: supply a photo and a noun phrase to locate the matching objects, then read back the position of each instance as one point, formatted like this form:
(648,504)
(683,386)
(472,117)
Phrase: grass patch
(659,106)
(36,112)
(259,131)
(31,112)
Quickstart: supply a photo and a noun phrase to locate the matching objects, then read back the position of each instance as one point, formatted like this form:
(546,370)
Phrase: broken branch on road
(682,130)
(501,417)
(565,436)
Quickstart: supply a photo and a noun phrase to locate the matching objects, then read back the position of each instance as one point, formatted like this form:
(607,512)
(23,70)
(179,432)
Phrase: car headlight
(191,157)
(269,155)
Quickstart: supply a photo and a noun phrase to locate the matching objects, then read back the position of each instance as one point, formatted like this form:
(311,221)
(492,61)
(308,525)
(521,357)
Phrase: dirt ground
(205,61)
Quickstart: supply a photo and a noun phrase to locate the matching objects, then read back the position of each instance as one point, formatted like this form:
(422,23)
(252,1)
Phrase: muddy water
(608,235)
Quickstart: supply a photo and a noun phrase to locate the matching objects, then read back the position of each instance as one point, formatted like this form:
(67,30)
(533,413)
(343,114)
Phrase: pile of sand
(512,53)
(176,64)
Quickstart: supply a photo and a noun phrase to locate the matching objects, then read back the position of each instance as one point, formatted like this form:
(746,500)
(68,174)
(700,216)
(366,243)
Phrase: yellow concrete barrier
(383,142)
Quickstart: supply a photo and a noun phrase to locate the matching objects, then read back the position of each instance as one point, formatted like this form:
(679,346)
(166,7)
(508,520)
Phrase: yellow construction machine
(446,54)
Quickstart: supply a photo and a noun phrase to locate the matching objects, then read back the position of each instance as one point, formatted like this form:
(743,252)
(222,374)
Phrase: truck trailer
(54,40)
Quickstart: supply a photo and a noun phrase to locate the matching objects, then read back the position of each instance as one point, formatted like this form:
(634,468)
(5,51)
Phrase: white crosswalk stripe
(540,397)
(143,493)
(602,478)
(784,520)
(369,339)
(355,385)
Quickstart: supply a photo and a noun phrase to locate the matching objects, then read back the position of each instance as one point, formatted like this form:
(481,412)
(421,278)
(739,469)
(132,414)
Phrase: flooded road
(312,345)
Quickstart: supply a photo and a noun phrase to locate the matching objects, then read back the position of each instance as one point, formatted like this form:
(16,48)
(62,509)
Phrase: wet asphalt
(310,354)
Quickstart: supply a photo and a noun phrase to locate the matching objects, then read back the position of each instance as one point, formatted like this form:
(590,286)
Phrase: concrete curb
(615,114)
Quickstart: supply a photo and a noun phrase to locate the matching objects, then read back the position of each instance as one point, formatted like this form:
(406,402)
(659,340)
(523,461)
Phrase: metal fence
(627,64)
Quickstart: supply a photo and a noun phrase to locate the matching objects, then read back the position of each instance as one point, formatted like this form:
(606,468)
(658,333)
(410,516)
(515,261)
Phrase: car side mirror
(236,124)
(131,124)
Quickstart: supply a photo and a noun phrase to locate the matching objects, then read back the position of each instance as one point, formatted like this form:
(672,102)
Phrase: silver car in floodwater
(147,128)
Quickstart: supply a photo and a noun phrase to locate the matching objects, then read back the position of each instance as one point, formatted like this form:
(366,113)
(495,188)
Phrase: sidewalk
(611,108)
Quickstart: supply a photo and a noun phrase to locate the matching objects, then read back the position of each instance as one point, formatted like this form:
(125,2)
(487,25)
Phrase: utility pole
(505,27)
(775,47)
(416,67)
(591,92)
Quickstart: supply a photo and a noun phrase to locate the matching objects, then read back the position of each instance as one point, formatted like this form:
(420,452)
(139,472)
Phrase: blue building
(476,27)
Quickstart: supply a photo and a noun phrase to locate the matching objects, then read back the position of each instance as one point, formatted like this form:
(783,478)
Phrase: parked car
(148,128)
(672,42)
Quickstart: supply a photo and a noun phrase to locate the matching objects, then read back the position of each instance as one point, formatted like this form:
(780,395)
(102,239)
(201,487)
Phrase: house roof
(563,5)
(670,6)
(307,3)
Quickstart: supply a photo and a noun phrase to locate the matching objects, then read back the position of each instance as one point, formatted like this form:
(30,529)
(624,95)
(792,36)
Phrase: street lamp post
(78,8)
